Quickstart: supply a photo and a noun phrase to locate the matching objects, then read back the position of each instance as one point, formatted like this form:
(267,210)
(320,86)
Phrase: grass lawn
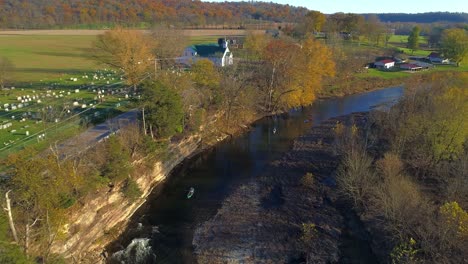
(403,39)
(400,74)
(445,67)
(419,52)
(383,74)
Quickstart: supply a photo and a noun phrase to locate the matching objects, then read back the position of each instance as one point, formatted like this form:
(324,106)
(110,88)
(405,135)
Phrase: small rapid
(139,251)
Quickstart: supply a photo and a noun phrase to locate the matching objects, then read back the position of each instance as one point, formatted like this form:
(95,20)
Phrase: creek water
(162,230)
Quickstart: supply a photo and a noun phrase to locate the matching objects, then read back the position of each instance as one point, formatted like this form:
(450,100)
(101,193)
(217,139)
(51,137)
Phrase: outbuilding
(385,64)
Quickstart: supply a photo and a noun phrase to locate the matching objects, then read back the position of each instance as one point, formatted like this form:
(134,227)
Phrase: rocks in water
(138,252)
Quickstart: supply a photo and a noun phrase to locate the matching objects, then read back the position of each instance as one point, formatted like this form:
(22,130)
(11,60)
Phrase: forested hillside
(53,13)
(430,17)
(19,14)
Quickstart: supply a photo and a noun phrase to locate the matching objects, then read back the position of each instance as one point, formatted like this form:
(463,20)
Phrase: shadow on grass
(42,70)
(82,54)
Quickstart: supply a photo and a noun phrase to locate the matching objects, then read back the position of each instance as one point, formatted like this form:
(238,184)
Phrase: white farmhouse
(385,64)
(219,54)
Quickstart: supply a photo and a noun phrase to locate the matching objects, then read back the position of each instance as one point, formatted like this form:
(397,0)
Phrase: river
(162,230)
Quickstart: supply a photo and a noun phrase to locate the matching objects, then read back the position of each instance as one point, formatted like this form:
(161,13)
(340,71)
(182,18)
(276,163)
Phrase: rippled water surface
(169,219)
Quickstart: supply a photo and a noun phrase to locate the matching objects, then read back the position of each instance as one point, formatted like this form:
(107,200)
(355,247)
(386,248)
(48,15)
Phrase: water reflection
(215,173)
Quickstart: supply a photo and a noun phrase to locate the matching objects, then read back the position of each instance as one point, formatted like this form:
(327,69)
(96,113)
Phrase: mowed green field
(51,57)
(46,58)
(403,39)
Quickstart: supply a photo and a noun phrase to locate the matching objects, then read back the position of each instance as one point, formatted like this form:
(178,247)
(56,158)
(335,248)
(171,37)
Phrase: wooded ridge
(143,13)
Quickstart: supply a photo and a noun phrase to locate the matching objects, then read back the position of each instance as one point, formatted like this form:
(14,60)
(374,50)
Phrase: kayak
(190,193)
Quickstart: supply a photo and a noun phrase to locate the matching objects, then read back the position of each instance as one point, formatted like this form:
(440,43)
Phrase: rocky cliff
(101,219)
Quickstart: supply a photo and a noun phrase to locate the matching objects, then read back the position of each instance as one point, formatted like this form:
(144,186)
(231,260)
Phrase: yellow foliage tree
(255,44)
(204,74)
(314,21)
(126,50)
(207,79)
(311,63)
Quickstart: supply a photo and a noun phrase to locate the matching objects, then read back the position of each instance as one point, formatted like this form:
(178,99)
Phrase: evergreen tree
(164,113)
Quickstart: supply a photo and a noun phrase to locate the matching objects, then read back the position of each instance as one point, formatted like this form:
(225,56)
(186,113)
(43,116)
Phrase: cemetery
(43,112)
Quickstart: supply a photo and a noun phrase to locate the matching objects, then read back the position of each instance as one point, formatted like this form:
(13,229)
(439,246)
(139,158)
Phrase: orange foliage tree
(294,72)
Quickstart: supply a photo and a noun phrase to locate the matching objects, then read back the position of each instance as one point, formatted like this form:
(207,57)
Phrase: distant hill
(66,13)
(19,14)
(430,17)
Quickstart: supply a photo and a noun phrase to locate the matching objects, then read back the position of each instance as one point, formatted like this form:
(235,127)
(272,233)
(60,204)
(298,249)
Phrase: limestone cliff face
(101,219)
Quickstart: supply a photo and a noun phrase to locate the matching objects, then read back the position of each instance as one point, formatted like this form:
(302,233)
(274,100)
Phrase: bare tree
(10,216)
(168,44)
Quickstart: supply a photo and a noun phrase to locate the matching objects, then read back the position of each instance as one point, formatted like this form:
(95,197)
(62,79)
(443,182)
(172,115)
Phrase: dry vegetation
(407,174)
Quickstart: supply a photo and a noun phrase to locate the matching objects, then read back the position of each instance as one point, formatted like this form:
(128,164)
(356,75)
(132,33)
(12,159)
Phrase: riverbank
(108,215)
(262,221)
(103,218)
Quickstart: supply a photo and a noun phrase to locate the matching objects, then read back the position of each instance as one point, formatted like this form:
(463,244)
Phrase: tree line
(429,17)
(66,13)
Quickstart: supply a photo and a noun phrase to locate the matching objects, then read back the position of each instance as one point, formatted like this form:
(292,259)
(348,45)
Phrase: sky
(377,6)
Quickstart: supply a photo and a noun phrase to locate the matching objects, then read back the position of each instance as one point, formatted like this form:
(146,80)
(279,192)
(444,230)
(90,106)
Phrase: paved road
(93,135)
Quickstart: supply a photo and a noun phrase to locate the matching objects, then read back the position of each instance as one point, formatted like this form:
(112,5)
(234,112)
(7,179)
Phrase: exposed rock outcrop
(101,219)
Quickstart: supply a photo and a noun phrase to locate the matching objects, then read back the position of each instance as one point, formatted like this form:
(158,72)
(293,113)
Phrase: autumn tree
(413,39)
(237,96)
(127,50)
(314,21)
(373,29)
(454,44)
(293,72)
(255,44)
(207,78)
(168,44)
(313,64)
(6,69)
(340,22)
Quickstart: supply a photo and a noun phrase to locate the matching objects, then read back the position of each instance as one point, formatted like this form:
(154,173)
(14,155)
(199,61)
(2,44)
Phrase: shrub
(355,177)
(131,190)
(309,232)
(118,164)
(307,180)
(10,253)
(455,218)
(404,253)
